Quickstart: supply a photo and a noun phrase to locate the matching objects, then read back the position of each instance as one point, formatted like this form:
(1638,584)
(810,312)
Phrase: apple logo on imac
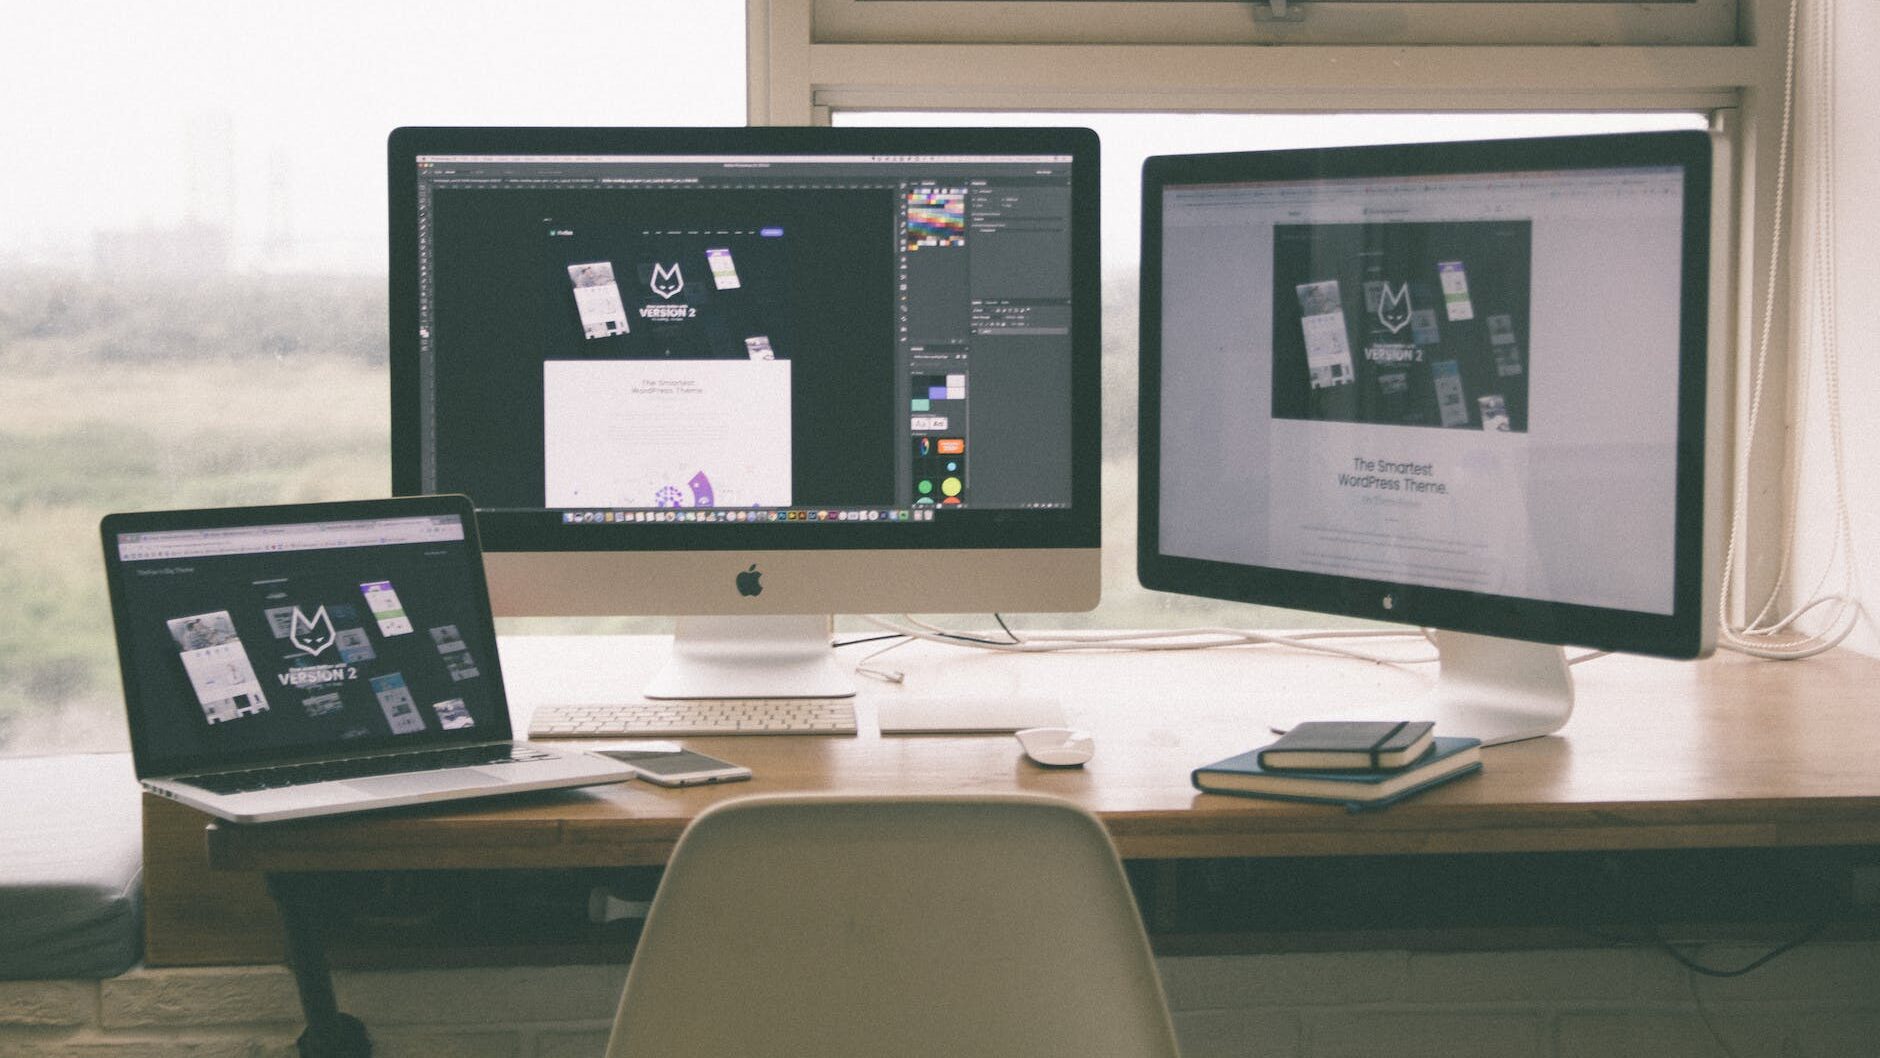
(750,582)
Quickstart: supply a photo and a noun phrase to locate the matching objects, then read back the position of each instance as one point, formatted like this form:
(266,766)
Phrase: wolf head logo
(312,635)
(667,280)
(1393,307)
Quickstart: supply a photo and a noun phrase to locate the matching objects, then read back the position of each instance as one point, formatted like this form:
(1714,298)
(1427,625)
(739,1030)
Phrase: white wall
(1856,180)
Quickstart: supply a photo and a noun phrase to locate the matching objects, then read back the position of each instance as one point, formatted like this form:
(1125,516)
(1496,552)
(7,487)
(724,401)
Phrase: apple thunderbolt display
(752,377)
(1462,386)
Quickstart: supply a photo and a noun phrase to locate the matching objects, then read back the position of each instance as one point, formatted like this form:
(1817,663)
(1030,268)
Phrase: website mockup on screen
(1465,382)
(623,338)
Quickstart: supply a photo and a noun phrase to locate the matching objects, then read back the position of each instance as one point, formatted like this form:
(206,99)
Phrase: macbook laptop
(283,662)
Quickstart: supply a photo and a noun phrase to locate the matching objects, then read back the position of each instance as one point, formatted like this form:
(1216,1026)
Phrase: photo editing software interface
(763,338)
(1463,381)
(272,638)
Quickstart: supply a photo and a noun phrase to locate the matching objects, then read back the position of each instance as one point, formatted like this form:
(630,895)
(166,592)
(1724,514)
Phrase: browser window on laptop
(253,637)
(258,639)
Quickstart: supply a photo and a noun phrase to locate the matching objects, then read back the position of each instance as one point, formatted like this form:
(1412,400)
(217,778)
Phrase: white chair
(827,926)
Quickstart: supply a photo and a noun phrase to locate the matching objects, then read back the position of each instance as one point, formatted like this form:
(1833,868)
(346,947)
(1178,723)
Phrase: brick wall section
(1821,1001)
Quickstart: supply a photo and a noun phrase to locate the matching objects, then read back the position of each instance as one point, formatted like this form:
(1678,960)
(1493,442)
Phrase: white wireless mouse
(1057,747)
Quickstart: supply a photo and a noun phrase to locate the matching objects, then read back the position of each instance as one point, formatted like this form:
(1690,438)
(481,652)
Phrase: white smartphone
(678,768)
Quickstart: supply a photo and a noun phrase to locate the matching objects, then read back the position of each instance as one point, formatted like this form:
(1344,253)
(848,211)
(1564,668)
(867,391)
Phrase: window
(192,266)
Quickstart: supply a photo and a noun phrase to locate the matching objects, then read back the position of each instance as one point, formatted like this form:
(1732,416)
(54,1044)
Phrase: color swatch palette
(936,217)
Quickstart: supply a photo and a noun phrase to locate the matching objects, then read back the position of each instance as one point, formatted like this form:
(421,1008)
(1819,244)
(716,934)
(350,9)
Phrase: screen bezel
(509,530)
(147,765)
(1678,634)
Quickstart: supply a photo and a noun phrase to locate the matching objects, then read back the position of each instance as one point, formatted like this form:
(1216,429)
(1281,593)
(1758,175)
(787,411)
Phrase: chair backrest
(821,927)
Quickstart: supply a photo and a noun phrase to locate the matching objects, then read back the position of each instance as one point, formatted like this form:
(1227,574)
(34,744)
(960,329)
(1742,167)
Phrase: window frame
(1607,22)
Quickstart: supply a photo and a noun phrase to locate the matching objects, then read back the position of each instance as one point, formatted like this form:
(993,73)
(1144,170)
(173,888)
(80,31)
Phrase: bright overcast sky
(262,115)
(126,114)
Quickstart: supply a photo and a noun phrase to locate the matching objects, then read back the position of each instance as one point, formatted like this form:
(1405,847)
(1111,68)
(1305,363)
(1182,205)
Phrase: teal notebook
(1448,758)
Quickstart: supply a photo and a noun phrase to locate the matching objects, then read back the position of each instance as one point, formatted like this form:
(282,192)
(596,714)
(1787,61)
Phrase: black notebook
(1357,745)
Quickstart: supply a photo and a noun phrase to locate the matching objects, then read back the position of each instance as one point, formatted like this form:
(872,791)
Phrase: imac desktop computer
(1465,386)
(754,377)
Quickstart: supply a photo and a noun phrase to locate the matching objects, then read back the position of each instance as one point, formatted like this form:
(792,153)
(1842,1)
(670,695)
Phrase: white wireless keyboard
(715,716)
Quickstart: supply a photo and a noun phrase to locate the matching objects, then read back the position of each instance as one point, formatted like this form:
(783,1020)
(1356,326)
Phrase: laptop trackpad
(423,782)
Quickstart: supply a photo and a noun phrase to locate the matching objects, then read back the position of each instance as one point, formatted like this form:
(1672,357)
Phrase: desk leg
(329,1034)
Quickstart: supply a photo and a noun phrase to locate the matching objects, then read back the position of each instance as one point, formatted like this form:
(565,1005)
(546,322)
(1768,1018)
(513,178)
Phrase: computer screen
(249,634)
(747,371)
(1456,385)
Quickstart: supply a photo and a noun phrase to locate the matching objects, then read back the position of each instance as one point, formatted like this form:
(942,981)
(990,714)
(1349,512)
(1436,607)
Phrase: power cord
(1633,890)
(1216,638)
(910,629)
(1168,639)
(1764,635)
(1808,933)
(1789,1044)
(863,639)
(864,668)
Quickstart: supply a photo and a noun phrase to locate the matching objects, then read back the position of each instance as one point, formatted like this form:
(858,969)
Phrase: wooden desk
(1725,754)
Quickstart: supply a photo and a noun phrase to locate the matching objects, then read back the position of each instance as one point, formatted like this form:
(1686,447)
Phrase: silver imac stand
(1497,690)
(777,656)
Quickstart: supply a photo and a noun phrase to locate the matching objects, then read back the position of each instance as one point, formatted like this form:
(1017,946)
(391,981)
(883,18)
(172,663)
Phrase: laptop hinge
(293,762)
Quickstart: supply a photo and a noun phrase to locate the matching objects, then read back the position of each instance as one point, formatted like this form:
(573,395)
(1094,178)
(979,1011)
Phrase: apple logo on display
(749,582)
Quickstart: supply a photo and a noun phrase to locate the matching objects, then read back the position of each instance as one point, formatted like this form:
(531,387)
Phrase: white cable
(863,668)
(1236,635)
(1821,302)
(1760,370)
(1173,639)
(913,629)
(1760,635)
(1220,637)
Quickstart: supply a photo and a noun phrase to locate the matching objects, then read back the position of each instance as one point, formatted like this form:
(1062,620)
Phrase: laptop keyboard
(234,782)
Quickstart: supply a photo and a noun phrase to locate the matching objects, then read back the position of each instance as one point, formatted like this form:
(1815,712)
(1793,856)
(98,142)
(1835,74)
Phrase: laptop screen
(269,639)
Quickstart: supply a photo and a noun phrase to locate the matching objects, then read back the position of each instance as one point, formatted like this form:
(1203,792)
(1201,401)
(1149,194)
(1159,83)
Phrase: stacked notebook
(1360,764)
